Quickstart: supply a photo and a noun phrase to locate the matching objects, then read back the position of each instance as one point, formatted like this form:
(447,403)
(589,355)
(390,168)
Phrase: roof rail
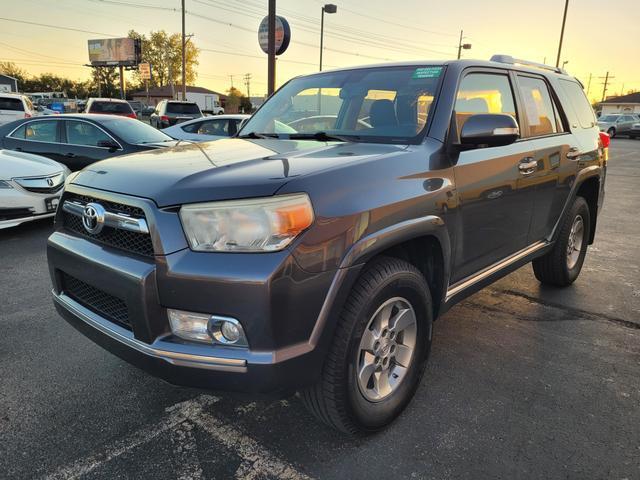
(516,61)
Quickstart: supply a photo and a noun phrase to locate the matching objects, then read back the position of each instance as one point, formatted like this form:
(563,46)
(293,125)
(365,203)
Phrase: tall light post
(184,58)
(564,21)
(564,63)
(328,8)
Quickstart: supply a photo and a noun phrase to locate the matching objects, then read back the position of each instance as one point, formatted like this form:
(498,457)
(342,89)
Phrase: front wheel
(561,266)
(379,351)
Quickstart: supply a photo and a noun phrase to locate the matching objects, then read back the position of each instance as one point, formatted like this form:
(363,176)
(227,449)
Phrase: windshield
(385,104)
(608,118)
(134,131)
(190,108)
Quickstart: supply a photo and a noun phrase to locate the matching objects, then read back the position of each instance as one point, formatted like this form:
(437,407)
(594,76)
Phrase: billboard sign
(283,34)
(114,51)
(144,69)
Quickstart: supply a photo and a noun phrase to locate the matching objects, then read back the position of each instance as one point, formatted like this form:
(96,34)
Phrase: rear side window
(215,127)
(538,106)
(579,102)
(110,107)
(13,104)
(483,93)
(185,108)
(42,131)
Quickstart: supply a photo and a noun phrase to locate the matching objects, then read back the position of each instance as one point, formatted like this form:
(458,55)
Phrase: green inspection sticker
(427,72)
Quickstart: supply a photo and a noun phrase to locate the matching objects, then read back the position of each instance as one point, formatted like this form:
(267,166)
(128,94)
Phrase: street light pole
(564,21)
(328,8)
(184,58)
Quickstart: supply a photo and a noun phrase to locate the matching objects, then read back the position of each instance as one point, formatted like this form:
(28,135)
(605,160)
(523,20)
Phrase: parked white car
(30,187)
(14,106)
(204,129)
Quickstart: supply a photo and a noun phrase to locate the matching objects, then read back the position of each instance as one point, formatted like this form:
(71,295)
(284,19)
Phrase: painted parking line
(181,419)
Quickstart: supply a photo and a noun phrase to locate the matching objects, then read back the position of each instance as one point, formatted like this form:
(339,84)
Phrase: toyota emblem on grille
(50,182)
(93,218)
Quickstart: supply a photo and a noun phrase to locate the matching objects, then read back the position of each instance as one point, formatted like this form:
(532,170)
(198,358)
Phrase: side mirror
(489,129)
(110,144)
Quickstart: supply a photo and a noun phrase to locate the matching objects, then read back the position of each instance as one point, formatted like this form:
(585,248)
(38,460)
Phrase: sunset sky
(600,36)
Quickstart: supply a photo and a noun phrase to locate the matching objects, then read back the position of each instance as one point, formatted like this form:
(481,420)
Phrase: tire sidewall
(373,415)
(581,208)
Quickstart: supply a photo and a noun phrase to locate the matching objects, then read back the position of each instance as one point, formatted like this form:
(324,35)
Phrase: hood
(221,170)
(19,164)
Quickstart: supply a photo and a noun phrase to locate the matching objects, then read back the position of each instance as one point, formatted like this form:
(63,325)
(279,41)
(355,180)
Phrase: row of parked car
(38,150)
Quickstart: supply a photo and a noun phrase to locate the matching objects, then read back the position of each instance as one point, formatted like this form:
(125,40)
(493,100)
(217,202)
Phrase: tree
(11,69)
(164,53)
(237,102)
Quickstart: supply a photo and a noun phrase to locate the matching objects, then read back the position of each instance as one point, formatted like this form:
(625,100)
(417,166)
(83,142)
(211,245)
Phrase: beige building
(624,104)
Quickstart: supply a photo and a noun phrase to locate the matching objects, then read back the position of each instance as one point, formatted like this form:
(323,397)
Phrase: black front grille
(13,213)
(139,243)
(106,305)
(55,189)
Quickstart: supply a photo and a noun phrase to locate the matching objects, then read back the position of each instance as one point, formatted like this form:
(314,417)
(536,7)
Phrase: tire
(339,398)
(559,267)
(611,132)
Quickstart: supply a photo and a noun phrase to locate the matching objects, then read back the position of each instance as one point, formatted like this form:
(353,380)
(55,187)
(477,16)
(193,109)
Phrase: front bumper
(18,206)
(276,301)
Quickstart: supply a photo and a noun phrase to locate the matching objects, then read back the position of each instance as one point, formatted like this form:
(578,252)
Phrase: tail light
(605,139)
(164,118)
(132,115)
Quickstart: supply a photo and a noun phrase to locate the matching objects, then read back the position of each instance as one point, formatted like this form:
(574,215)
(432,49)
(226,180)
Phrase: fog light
(227,331)
(190,325)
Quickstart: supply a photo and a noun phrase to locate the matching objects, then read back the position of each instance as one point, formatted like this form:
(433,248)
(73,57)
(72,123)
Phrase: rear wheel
(379,350)
(561,266)
(611,132)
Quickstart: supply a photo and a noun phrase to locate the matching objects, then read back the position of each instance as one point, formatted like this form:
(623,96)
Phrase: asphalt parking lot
(523,382)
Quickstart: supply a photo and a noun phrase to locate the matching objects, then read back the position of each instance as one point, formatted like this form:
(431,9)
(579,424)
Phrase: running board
(490,270)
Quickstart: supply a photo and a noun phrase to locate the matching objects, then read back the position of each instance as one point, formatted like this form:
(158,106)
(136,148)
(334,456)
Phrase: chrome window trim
(58,119)
(119,221)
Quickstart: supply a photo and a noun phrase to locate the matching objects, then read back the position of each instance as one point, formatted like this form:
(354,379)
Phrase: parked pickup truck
(317,261)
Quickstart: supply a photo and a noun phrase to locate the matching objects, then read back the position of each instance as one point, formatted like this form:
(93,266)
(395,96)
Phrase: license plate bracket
(51,204)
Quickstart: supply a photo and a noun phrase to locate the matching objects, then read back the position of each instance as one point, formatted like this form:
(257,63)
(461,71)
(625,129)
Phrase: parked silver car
(616,124)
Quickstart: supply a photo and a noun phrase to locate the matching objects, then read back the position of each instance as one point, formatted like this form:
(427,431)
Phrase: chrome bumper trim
(111,219)
(126,337)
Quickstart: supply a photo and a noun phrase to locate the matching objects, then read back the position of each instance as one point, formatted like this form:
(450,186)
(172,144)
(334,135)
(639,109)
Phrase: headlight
(5,184)
(253,225)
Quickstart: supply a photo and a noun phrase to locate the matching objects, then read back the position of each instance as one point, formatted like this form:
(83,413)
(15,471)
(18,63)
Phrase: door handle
(70,155)
(573,153)
(527,166)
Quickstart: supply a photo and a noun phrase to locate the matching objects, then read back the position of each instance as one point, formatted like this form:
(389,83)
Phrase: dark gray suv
(317,261)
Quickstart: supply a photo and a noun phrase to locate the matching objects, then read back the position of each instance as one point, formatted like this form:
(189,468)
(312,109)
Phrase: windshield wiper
(322,137)
(259,135)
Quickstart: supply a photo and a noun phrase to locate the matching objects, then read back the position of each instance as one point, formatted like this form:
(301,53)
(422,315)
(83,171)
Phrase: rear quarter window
(12,104)
(579,103)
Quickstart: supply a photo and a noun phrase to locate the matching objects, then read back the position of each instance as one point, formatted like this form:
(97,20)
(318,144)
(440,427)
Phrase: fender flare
(365,249)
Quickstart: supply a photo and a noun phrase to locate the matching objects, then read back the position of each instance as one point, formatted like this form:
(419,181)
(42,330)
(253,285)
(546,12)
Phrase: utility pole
(271,50)
(564,21)
(247,83)
(607,78)
(184,58)
(622,90)
(231,77)
(121,82)
(589,84)
(462,46)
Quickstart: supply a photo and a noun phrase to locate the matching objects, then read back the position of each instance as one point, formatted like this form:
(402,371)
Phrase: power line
(70,29)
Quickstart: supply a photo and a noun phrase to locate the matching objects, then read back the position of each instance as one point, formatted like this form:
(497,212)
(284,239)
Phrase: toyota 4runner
(313,252)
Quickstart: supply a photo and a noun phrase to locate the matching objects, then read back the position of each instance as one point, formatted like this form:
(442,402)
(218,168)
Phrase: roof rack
(516,61)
